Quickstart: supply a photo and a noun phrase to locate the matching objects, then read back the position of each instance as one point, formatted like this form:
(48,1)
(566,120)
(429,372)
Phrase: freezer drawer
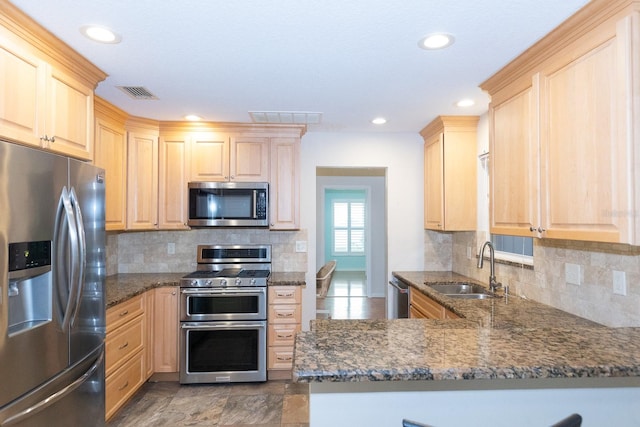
(73,398)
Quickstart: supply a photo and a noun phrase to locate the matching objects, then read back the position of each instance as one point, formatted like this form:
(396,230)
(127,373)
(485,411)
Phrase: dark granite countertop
(498,338)
(294,278)
(121,287)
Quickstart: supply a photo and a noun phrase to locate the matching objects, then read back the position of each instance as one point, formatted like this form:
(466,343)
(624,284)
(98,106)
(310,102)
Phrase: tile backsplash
(548,281)
(175,251)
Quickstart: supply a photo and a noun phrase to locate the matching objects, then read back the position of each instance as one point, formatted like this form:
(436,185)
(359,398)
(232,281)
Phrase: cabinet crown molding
(451,123)
(48,46)
(579,24)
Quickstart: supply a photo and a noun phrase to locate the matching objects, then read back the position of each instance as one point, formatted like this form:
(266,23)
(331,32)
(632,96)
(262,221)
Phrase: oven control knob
(252,282)
(208,283)
(223,282)
(238,282)
(194,283)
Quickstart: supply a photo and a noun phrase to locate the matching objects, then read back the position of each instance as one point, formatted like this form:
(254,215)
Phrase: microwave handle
(255,204)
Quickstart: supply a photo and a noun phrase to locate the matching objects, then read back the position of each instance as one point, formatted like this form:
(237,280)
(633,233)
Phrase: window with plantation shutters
(348,227)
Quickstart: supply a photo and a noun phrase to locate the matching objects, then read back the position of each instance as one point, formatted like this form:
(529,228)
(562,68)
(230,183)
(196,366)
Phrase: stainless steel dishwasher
(399,294)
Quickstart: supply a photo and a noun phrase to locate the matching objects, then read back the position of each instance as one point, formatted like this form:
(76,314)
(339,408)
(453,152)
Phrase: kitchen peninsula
(507,361)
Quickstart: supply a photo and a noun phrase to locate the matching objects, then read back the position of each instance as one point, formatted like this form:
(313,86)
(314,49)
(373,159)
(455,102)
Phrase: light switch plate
(572,274)
(619,282)
(171,248)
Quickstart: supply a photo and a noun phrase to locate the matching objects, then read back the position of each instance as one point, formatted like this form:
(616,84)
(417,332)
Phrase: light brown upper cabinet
(564,151)
(219,156)
(209,156)
(284,185)
(111,155)
(142,175)
(173,171)
(249,159)
(47,98)
(450,159)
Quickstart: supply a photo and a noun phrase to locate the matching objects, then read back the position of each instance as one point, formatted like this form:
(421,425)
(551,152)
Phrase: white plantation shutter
(348,227)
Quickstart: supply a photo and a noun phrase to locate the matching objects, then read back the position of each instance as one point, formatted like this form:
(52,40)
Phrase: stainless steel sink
(470,296)
(462,290)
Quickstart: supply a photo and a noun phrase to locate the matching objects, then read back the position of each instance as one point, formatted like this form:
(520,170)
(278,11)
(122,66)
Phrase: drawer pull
(285,358)
(284,314)
(124,386)
(285,336)
(285,295)
(123,346)
(124,313)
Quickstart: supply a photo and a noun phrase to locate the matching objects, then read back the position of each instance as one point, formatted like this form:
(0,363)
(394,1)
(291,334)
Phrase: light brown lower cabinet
(125,368)
(165,329)
(424,307)
(284,319)
(142,339)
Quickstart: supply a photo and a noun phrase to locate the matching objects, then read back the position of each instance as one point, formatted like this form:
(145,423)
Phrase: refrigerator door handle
(65,220)
(55,397)
(79,264)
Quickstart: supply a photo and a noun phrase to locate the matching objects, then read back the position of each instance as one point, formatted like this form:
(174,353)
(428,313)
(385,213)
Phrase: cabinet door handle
(541,230)
(123,346)
(285,358)
(124,313)
(124,386)
(532,229)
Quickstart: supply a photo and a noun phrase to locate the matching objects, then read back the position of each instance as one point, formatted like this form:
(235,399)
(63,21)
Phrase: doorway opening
(351,230)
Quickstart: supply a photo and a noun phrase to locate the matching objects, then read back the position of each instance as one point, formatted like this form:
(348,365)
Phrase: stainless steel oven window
(223,351)
(223,304)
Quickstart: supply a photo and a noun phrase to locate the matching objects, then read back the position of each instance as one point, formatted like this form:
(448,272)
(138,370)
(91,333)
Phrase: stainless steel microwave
(228,204)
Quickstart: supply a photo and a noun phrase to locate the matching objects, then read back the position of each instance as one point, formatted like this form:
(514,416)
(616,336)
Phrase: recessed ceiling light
(379,121)
(100,34)
(465,103)
(436,41)
(192,118)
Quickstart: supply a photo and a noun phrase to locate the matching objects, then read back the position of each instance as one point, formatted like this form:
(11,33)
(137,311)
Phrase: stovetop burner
(230,266)
(228,273)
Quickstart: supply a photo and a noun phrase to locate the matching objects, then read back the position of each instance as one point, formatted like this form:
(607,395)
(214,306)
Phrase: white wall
(402,155)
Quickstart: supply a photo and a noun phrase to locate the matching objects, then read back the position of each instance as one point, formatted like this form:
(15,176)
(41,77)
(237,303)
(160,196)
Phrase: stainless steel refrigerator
(52,296)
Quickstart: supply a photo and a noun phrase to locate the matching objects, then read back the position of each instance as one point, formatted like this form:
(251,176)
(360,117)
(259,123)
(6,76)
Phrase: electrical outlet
(171,248)
(572,274)
(619,282)
(301,246)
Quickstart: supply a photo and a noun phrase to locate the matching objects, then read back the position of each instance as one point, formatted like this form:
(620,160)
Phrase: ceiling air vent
(286,117)
(137,92)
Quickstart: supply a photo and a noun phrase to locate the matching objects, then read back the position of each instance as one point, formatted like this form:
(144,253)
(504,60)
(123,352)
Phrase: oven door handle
(209,291)
(221,325)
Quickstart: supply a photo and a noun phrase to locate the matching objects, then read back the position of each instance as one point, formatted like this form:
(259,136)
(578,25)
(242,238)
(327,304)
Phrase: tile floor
(270,404)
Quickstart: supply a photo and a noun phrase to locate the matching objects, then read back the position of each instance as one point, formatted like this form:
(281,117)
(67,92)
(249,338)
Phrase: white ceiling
(351,60)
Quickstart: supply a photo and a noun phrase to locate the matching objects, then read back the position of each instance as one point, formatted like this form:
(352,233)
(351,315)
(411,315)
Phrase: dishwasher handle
(400,286)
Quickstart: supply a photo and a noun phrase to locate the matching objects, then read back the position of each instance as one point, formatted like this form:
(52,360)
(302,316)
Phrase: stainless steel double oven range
(223,315)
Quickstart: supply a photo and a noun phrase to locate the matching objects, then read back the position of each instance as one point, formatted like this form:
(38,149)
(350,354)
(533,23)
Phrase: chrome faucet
(493,283)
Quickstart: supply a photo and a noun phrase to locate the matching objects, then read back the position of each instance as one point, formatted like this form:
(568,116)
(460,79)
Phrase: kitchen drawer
(285,295)
(284,313)
(123,312)
(122,343)
(428,307)
(282,334)
(124,383)
(280,358)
